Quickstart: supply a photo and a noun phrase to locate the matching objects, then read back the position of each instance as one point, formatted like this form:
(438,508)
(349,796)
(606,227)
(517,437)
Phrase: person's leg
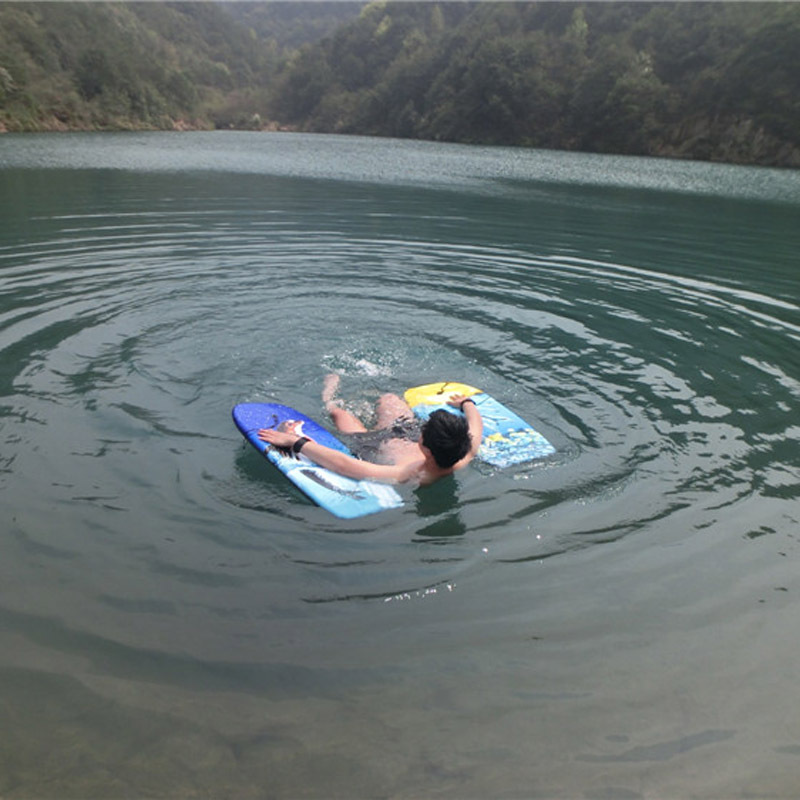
(330,386)
(390,408)
(344,420)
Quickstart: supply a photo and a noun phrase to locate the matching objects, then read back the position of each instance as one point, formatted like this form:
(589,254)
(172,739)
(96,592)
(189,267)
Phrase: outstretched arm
(335,460)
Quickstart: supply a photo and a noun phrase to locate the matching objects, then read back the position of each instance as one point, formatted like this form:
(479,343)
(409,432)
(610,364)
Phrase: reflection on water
(438,509)
(193,623)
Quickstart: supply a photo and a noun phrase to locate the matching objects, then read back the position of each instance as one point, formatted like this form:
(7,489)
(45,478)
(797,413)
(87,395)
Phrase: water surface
(614,621)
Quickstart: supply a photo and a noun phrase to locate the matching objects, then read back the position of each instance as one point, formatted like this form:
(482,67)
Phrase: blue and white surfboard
(344,497)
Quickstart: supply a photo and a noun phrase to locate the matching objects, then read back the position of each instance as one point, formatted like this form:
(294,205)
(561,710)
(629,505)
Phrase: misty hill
(293,24)
(700,80)
(114,66)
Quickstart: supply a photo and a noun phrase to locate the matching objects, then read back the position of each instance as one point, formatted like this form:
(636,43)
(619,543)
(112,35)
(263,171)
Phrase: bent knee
(391,408)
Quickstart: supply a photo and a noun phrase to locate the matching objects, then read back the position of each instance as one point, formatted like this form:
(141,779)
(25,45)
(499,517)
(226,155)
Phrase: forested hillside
(700,80)
(111,66)
(119,65)
(293,24)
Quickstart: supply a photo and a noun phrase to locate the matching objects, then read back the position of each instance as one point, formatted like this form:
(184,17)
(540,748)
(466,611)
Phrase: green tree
(94,73)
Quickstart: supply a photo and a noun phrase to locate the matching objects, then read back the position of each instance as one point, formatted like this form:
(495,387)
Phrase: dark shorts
(367,445)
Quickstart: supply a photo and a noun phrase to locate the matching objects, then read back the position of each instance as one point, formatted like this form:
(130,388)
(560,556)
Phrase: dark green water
(618,621)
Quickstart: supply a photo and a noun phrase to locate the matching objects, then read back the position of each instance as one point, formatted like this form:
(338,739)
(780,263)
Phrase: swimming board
(507,438)
(344,497)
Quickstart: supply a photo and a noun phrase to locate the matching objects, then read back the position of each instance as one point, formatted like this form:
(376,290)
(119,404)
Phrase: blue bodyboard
(507,438)
(344,497)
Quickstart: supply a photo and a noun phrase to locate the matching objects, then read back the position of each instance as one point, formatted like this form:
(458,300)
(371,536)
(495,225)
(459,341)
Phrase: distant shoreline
(789,158)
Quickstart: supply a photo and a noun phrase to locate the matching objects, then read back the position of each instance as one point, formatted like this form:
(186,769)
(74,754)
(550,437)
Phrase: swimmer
(446,442)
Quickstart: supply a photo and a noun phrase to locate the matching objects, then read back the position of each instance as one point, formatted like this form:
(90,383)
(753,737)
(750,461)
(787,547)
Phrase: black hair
(447,436)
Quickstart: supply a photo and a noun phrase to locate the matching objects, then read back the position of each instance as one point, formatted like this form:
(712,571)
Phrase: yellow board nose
(434,394)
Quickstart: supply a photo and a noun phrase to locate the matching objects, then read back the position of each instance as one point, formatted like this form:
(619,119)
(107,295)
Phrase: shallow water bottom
(564,698)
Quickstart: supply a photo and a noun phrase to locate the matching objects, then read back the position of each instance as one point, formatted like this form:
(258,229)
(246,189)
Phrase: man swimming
(446,442)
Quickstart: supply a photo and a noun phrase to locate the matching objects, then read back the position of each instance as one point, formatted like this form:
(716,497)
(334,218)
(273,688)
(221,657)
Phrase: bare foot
(329,388)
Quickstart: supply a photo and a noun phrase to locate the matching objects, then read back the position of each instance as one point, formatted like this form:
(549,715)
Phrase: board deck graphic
(344,497)
(507,438)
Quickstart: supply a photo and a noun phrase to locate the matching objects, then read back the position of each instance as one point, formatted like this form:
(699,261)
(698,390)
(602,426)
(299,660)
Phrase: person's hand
(456,400)
(280,439)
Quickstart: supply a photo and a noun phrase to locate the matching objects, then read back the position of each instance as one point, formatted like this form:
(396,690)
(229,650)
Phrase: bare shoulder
(468,458)
(413,471)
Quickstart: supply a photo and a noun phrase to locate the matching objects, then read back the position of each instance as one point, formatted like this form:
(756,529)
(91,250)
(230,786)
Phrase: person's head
(447,436)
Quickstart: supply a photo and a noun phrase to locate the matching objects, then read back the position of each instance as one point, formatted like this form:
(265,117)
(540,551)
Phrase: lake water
(618,621)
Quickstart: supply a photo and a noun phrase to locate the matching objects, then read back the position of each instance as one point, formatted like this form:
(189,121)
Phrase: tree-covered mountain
(121,65)
(702,80)
(711,80)
(293,24)
(75,65)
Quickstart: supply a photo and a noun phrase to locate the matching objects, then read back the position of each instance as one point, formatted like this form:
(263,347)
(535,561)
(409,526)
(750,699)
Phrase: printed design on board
(507,438)
(345,497)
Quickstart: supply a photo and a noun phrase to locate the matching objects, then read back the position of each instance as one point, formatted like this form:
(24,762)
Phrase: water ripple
(131,316)
(649,333)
